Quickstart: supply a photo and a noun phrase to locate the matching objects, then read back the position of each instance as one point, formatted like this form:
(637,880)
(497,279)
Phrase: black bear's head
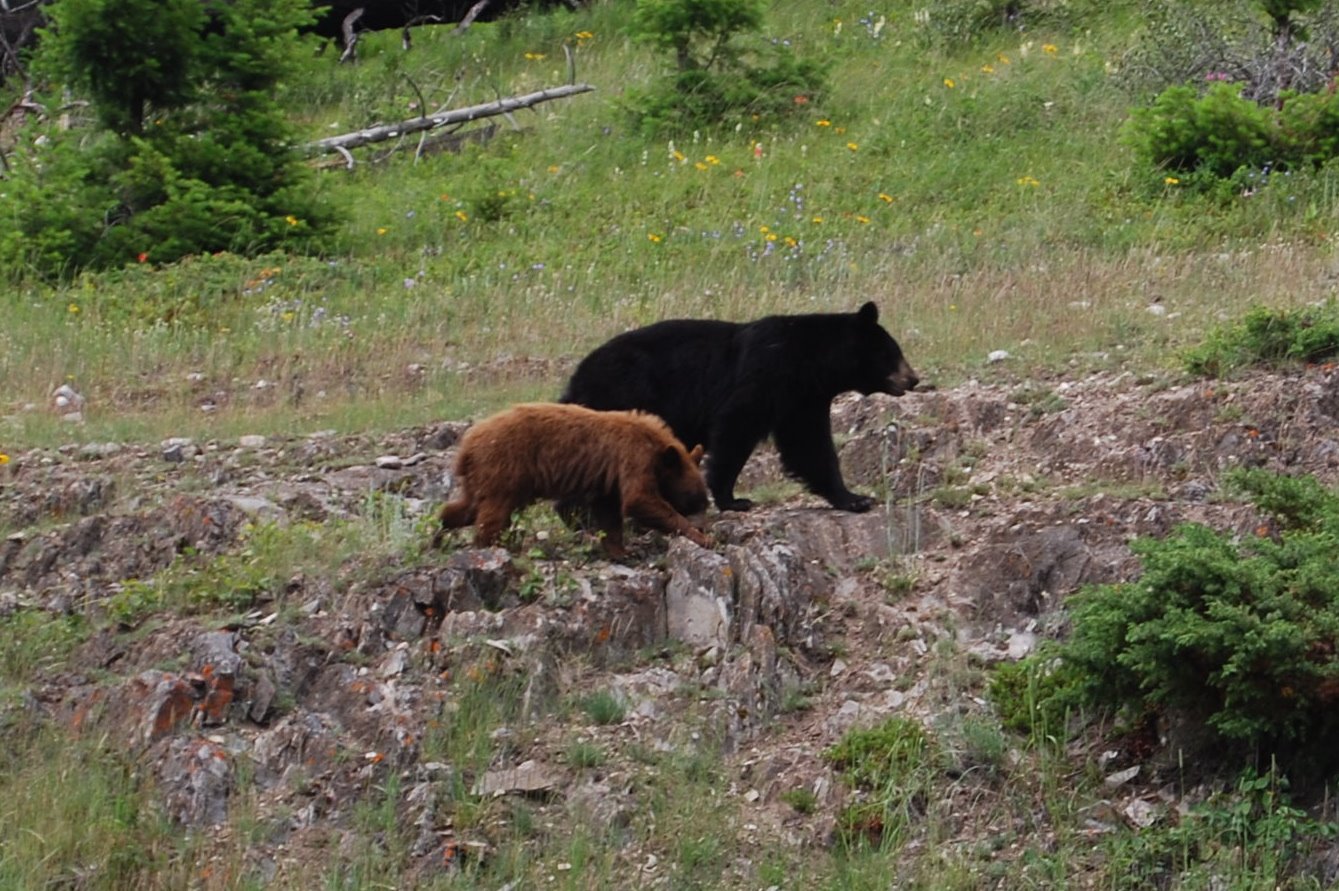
(881,366)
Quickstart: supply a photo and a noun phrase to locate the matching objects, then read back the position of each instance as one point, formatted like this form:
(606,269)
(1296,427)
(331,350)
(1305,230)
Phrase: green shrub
(1240,635)
(1251,832)
(1033,695)
(718,81)
(1216,133)
(891,766)
(1269,337)
(196,155)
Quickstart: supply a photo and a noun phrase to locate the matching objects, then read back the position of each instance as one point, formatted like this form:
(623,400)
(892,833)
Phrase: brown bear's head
(679,476)
(883,368)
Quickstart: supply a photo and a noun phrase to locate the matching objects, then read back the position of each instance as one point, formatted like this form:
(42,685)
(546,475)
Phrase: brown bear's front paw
(698,538)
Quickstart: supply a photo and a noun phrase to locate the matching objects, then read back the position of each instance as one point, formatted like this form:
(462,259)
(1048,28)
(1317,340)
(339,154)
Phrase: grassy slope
(980,195)
(1014,222)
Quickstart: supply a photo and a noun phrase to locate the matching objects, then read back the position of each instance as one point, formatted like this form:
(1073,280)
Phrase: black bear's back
(678,369)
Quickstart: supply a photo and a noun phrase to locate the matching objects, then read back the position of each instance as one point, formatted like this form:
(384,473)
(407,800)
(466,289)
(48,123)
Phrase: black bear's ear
(869,313)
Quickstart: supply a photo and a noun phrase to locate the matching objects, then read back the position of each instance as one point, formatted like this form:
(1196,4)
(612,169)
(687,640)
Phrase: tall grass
(979,195)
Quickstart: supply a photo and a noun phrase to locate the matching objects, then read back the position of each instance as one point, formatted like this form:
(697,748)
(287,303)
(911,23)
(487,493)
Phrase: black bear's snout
(903,379)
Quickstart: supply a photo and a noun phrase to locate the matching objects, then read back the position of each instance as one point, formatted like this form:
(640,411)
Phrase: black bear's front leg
(804,438)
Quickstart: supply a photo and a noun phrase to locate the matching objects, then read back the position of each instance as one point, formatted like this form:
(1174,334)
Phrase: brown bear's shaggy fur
(624,463)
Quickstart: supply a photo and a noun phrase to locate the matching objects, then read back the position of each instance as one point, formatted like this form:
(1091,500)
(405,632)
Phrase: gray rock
(699,596)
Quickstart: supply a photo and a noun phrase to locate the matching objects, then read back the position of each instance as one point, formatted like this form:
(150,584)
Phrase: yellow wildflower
(713,160)
(462,216)
(885,198)
(1002,59)
(853,146)
(382,230)
(73,309)
(948,82)
(771,236)
(764,229)
(678,156)
(987,69)
(818,219)
(699,165)
(554,168)
(534,57)
(585,35)
(4,459)
(791,242)
(1171,180)
(862,219)
(653,238)
(1049,49)
(291,220)
(824,123)
(1028,181)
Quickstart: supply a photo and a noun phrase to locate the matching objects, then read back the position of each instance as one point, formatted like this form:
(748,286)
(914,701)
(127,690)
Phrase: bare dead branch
(471,16)
(351,36)
(441,119)
(405,42)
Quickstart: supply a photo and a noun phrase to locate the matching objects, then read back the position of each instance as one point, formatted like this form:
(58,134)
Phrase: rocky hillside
(312,689)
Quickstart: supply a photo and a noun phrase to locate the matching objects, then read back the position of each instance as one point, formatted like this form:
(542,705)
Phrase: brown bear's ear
(696,454)
(669,458)
(869,313)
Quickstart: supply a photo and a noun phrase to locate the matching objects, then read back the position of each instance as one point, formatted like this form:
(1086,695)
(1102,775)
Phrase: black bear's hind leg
(725,460)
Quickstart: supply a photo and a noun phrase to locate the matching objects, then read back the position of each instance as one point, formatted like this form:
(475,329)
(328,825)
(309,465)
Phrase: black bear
(730,385)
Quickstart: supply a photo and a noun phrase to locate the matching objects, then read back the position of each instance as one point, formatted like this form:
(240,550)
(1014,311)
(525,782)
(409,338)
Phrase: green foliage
(718,82)
(214,172)
(1252,833)
(957,23)
(1213,134)
(77,813)
(1260,114)
(33,641)
(135,58)
(1034,695)
(603,707)
(698,32)
(890,766)
(1269,337)
(1241,635)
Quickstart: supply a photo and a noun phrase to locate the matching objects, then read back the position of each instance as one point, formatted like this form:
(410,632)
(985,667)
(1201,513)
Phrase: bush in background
(718,80)
(1241,635)
(194,154)
(1268,337)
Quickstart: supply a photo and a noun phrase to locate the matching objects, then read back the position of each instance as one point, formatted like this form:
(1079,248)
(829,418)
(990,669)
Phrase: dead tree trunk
(346,141)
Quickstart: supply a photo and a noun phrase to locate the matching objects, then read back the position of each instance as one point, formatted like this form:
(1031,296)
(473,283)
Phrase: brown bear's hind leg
(492,518)
(454,515)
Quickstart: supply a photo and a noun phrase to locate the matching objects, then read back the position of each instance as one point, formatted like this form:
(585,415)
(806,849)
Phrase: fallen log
(382,132)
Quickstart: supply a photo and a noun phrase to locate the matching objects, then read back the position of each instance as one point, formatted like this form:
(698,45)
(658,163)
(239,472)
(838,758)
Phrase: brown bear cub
(623,463)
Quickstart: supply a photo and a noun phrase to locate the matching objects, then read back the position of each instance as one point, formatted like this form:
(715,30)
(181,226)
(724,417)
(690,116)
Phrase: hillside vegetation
(230,660)
(976,188)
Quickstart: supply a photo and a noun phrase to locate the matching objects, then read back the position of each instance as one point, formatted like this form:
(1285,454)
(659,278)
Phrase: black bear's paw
(739,504)
(856,504)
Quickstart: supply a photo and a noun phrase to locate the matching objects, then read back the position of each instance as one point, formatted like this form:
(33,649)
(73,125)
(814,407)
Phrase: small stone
(997,356)
(1156,309)
(389,462)
(251,441)
(1121,777)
